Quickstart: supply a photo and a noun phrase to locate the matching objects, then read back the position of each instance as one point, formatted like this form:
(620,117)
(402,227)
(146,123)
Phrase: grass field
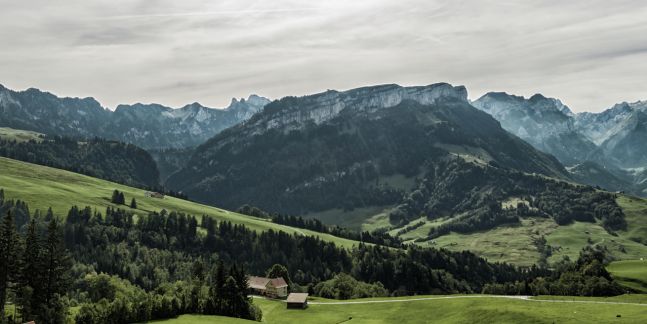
(42,187)
(464,309)
(630,273)
(18,135)
(516,243)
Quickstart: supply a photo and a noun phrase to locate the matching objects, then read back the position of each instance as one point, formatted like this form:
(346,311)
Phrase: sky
(590,54)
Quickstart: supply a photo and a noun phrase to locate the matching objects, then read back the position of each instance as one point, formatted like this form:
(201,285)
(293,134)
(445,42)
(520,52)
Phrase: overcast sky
(590,54)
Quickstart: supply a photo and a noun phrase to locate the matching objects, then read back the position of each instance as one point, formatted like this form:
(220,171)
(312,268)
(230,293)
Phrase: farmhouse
(153,194)
(270,287)
(297,301)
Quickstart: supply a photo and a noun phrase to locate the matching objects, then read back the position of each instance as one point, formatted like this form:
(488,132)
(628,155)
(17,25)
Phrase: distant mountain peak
(146,125)
(323,106)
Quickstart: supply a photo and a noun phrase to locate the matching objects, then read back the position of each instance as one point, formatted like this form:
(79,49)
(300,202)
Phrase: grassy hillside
(18,135)
(472,309)
(518,243)
(630,273)
(42,187)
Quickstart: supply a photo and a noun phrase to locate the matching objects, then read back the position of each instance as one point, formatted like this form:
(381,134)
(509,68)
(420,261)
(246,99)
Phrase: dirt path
(526,298)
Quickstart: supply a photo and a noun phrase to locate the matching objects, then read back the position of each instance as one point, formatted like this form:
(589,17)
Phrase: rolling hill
(630,273)
(43,187)
(110,160)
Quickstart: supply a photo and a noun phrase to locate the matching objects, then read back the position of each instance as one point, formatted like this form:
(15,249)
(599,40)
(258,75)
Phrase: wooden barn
(297,301)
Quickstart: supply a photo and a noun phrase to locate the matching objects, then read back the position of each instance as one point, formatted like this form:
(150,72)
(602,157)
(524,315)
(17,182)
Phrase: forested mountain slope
(110,160)
(340,149)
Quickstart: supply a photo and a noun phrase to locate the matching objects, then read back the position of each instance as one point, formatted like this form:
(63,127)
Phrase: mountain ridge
(290,146)
(146,125)
(611,139)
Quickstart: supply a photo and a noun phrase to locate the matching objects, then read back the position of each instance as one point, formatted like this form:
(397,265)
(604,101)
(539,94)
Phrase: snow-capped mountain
(146,125)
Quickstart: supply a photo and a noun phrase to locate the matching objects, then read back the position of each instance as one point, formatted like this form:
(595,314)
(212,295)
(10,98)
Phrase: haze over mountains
(605,149)
(150,126)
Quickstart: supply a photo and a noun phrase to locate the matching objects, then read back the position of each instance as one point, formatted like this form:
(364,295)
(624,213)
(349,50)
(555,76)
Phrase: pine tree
(240,304)
(8,254)
(30,274)
(133,204)
(55,278)
(228,299)
(215,305)
(122,199)
(50,215)
(115,197)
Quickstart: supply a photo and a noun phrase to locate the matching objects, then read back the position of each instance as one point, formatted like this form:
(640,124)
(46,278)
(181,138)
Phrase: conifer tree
(8,254)
(133,203)
(115,197)
(30,273)
(55,276)
(50,214)
(122,199)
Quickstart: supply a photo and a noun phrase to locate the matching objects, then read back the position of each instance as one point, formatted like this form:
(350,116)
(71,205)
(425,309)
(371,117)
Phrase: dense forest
(472,195)
(116,267)
(109,160)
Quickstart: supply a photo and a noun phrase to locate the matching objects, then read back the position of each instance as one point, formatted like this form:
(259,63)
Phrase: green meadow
(448,309)
(18,135)
(630,273)
(43,187)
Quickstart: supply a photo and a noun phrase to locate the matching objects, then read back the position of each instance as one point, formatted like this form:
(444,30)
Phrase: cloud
(590,54)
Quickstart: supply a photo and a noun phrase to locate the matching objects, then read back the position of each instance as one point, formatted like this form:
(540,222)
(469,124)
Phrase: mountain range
(345,149)
(605,149)
(150,126)
(423,163)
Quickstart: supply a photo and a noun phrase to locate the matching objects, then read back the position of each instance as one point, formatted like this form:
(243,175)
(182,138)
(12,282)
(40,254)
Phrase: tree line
(587,276)
(374,237)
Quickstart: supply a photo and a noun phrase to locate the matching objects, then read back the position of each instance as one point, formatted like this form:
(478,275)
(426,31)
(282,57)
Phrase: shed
(297,300)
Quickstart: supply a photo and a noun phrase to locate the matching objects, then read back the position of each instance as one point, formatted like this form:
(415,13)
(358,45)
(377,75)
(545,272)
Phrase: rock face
(146,125)
(621,133)
(545,123)
(602,148)
(341,149)
(325,106)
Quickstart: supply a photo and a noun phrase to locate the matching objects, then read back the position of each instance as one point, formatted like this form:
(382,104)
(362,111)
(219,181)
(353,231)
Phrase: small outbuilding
(297,301)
